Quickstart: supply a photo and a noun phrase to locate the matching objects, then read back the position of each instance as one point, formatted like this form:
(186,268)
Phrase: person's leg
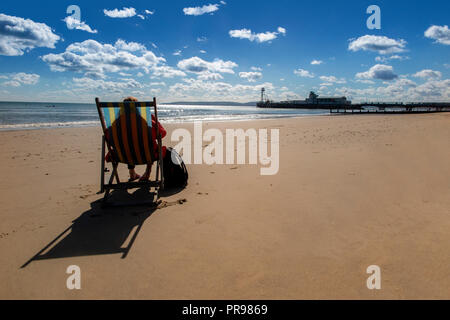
(146,175)
(133,175)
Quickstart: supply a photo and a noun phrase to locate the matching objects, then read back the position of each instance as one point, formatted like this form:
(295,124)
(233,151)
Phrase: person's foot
(134,176)
(146,175)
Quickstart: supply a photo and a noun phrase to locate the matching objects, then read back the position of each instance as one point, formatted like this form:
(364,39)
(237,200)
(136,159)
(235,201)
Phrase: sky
(64,51)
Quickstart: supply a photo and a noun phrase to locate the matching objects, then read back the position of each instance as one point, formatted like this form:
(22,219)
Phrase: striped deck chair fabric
(128,131)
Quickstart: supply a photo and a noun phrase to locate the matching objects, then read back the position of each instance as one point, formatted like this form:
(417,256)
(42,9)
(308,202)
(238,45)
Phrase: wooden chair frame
(114,182)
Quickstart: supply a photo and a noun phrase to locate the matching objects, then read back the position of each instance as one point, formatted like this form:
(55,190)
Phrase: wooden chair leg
(161,164)
(108,188)
(115,173)
(102,168)
(105,197)
(157,171)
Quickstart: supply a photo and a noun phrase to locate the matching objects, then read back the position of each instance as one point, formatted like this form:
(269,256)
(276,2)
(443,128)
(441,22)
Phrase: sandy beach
(352,191)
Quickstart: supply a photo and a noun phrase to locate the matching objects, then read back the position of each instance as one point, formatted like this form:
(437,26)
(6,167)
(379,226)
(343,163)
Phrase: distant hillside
(212,103)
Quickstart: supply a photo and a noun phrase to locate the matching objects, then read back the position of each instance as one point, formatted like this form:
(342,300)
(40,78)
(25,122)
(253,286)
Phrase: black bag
(175,172)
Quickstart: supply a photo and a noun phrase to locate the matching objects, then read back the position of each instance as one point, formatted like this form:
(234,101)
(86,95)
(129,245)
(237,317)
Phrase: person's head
(130,99)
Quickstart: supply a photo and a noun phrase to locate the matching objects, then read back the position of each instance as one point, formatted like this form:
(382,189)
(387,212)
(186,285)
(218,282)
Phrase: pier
(391,108)
(343,105)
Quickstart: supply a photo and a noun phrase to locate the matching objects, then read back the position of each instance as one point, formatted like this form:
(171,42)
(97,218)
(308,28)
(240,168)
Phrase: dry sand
(352,191)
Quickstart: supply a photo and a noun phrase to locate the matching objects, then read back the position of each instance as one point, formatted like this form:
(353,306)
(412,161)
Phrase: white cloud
(202,39)
(18,35)
(439,33)
(393,57)
(123,13)
(177,53)
(256,69)
(332,79)
(26,78)
(405,82)
(380,44)
(251,76)
(95,59)
(141,16)
(402,90)
(150,12)
(11,83)
(288,95)
(428,73)
(196,89)
(129,46)
(202,51)
(94,75)
(210,76)
(281,30)
(109,86)
(73,23)
(163,84)
(303,73)
(316,62)
(198,11)
(366,81)
(20,78)
(198,65)
(258,37)
(154,91)
(166,72)
(378,71)
(434,90)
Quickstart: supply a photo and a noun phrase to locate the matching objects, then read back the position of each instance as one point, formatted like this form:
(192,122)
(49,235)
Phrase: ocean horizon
(40,115)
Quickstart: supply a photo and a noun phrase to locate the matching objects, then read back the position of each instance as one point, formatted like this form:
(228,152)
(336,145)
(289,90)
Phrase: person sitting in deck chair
(131,168)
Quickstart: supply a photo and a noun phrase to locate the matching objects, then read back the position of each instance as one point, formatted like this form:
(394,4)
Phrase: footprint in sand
(4,235)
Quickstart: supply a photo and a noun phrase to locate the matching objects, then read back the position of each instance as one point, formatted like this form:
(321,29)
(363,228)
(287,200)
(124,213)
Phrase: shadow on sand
(100,230)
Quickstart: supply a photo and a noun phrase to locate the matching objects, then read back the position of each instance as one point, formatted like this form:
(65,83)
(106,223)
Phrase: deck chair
(127,135)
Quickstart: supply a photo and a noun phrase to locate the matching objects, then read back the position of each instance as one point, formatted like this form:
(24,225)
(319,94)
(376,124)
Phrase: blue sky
(217,50)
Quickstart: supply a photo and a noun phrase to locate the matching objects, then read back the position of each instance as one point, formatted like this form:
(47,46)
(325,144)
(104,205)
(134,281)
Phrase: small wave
(29,126)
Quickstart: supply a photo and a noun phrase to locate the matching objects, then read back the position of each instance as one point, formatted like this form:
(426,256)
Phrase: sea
(39,115)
